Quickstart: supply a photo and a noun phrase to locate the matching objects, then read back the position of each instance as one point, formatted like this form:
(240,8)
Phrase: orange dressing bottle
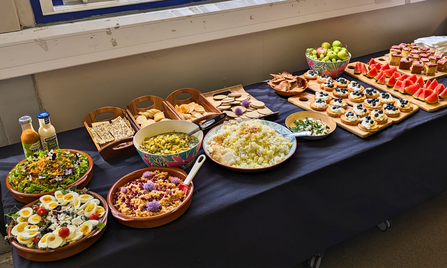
(30,138)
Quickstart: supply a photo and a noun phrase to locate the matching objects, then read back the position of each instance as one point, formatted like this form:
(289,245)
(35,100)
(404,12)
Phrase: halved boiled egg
(24,241)
(30,228)
(34,219)
(54,240)
(90,208)
(46,199)
(85,228)
(85,197)
(59,195)
(19,228)
(100,211)
(94,223)
(76,236)
(77,203)
(26,212)
(72,229)
(70,197)
(28,235)
(52,205)
(43,241)
(21,219)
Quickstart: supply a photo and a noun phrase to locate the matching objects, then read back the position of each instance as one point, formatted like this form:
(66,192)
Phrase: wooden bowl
(46,255)
(81,182)
(154,221)
(302,84)
(327,120)
(281,129)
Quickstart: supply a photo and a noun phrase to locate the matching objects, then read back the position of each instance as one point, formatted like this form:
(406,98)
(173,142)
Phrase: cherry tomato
(35,207)
(64,232)
(36,239)
(93,216)
(41,211)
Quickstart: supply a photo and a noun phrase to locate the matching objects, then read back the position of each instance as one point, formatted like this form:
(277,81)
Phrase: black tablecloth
(327,192)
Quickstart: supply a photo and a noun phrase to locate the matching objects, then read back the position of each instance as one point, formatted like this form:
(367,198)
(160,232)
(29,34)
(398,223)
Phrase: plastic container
(47,132)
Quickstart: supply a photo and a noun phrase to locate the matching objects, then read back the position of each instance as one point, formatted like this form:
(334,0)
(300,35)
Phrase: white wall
(70,94)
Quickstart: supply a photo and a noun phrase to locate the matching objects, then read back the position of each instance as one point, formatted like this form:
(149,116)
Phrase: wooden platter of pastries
(237,103)
(112,136)
(362,111)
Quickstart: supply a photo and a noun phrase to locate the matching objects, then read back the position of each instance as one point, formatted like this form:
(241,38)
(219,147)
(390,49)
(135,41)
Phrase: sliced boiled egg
(19,228)
(34,219)
(70,197)
(30,228)
(85,198)
(54,240)
(59,196)
(100,211)
(28,235)
(43,241)
(26,212)
(46,199)
(77,203)
(24,241)
(72,229)
(90,208)
(94,223)
(52,205)
(21,219)
(77,235)
(85,228)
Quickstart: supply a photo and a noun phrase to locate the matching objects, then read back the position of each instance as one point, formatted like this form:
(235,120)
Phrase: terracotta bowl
(81,182)
(154,221)
(179,160)
(327,120)
(281,129)
(46,255)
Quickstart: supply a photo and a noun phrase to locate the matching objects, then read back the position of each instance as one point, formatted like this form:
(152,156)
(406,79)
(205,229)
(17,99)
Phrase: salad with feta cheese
(58,219)
(316,127)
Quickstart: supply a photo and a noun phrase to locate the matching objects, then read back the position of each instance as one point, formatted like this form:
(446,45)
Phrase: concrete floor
(5,255)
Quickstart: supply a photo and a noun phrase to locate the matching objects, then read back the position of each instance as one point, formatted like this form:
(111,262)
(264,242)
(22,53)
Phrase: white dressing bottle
(47,132)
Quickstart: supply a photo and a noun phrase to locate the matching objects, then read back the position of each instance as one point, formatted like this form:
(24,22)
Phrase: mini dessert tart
(323,78)
(342,82)
(311,75)
(386,98)
(323,95)
(340,92)
(356,96)
(335,110)
(339,102)
(349,118)
(372,103)
(355,86)
(391,110)
(404,105)
(379,116)
(328,85)
(371,92)
(319,105)
(360,110)
(424,61)
(368,124)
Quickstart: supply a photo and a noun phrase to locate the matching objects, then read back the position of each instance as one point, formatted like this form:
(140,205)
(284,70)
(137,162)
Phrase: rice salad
(248,144)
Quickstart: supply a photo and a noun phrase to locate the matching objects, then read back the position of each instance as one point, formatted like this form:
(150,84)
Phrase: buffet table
(330,190)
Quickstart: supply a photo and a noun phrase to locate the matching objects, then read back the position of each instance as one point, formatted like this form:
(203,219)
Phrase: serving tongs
(185,185)
(213,121)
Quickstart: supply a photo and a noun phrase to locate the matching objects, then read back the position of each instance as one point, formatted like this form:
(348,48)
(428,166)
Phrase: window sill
(53,47)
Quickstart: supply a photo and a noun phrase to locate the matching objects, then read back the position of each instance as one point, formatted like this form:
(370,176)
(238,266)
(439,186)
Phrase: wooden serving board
(370,81)
(237,89)
(304,99)
(315,86)
(386,58)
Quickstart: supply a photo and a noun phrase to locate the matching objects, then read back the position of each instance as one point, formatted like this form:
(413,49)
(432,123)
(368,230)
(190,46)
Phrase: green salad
(47,171)
(316,127)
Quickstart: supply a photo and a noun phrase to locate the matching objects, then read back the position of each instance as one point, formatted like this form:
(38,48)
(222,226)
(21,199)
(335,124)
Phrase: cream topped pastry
(356,95)
(322,95)
(340,102)
(355,86)
(403,104)
(390,109)
(328,83)
(320,103)
(371,92)
(360,110)
(378,115)
(368,123)
(386,98)
(342,82)
(323,78)
(340,92)
(372,103)
(336,108)
(351,116)
(311,74)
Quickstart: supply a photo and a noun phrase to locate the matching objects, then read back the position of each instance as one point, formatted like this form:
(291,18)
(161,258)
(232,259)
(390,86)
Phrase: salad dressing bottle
(30,139)
(47,132)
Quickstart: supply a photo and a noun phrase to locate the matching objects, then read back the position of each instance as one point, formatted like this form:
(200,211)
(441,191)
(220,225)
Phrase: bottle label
(30,149)
(50,143)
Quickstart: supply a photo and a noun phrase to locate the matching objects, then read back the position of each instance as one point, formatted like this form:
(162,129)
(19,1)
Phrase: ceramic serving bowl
(300,87)
(154,221)
(327,120)
(81,182)
(279,128)
(47,255)
(333,69)
(180,160)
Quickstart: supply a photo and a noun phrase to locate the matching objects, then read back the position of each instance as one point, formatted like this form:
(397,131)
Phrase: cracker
(230,114)
(264,111)
(257,104)
(252,114)
(219,97)
(235,102)
(224,107)
(235,94)
(228,100)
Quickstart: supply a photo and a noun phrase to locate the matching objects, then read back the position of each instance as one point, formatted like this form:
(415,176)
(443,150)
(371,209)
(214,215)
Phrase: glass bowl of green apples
(331,59)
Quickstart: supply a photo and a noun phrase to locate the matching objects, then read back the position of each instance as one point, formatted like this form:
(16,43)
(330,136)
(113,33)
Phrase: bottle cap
(25,119)
(43,115)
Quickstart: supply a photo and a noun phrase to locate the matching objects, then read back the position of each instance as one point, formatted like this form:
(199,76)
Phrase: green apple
(343,55)
(326,45)
(331,54)
(336,43)
(336,49)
